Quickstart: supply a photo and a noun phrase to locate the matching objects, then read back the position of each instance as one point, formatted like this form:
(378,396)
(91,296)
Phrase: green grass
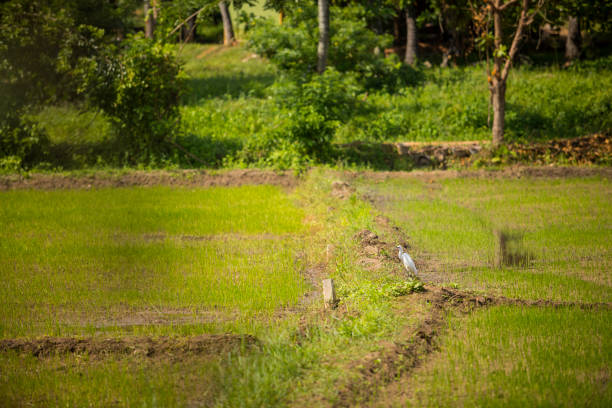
(80,380)
(227,103)
(72,260)
(290,362)
(522,357)
(541,103)
(67,254)
(562,227)
(214,71)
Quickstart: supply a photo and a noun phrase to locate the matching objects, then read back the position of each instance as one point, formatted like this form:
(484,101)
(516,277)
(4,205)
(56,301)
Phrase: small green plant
(406,287)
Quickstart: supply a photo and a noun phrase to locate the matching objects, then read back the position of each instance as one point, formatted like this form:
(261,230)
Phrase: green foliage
(291,46)
(309,113)
(40,49)
(354,47)
(22,142)
(230,105)
(376,291)
(139,90)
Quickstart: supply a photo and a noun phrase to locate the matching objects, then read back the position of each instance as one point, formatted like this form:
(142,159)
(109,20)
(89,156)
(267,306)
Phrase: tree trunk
(411,37)
(572,43)
(396,32)
(188,30)
(497,84)
(149,14)
(323,35)
(498,95)
(228,30)
(502,62)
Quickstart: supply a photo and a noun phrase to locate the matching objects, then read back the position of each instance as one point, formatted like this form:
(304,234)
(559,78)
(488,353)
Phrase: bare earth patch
(505,172)
(145,346)
(182,178)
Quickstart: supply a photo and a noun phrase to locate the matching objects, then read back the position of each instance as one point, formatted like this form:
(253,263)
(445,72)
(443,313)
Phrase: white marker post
(329,294)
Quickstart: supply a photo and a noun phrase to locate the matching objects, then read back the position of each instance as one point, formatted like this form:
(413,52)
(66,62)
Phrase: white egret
(406,260)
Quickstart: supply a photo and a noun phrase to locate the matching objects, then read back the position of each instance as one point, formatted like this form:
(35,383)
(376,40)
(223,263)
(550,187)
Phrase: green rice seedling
(521,357)
(82,380)
(87,258)
(561,229)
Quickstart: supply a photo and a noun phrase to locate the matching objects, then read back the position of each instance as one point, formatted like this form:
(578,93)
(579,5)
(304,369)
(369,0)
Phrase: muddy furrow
(145,346)
(178,178)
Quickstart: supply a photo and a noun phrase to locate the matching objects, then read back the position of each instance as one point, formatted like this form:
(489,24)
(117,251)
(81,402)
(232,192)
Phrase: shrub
(308,114)
(22,142)
(139,90)
(42,48)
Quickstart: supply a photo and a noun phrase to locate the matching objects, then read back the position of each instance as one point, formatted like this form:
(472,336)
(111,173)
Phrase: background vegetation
(85,91)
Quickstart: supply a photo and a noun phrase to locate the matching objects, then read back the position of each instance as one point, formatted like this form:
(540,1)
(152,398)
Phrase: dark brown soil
(591,149)
(186,178)
(517,171)
(342,190)
(145,346)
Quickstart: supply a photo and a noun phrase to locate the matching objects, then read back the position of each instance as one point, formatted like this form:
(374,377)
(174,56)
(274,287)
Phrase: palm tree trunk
(323,35)
(497,86)
(411,37)
(228,29)
(150,15)
(572,43)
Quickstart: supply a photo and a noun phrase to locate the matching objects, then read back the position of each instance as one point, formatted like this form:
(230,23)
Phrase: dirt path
(517,171)
(206,178)
(183,178)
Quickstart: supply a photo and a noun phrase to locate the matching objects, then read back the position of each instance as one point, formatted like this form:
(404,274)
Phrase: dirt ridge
(180,178)
(143,345)
(515,171)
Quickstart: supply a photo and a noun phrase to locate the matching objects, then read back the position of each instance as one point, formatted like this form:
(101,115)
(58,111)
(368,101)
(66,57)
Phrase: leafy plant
(354,47)
(139,89)
(308,114)
(22,142)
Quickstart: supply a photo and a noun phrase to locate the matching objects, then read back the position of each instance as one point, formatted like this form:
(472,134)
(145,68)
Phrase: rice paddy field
(183,296)
(557,248)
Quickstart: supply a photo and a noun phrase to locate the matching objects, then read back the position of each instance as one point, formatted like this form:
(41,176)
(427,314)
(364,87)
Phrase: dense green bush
(22,142)
(41,48)
(139,89)
(308,113)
